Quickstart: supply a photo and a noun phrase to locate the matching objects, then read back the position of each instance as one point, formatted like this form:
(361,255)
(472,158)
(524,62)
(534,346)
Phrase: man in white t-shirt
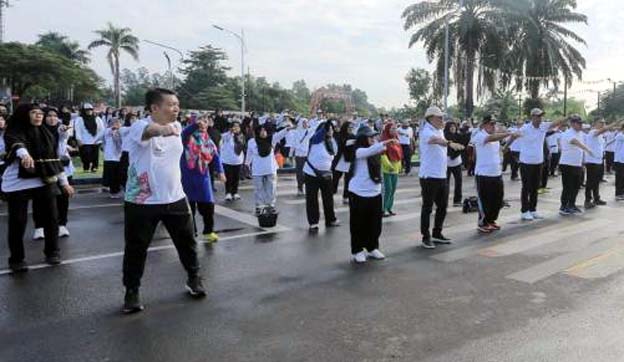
(555,151)
(488,172)
(432,174)
(618,162)
(406,139)
(610,150)
(594,165)
(531,142)
(514,149)
(154,194)
(571,165)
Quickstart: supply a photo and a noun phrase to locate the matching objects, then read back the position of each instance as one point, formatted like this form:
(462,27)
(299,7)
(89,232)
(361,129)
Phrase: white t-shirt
(228,155)
(609,136)
(112,145)
(516,145)
(433,157)
(532,143)
(596,144)
(154,176)
(319,158)
(454,162)
(125,132)
(361,184)
(267,165)
(83,135)
(571,155)
(488,155)
(619,147)
(553,142)
(302,141)
(405,135)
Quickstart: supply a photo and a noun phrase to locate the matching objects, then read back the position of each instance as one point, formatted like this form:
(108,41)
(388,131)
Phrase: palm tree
(541,51)
(476,34)
(117,39)
(60,44)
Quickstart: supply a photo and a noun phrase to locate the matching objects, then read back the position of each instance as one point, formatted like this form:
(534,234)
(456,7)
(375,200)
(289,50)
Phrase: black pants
(112,176)
(545,172)
(457,176)
(554,163)
(491,192)
(619,178)
(595,172)
(232,175)
(506,160)
(206,210)
(62,207)
(571,180)
(299,163)
(531,178)
(609,160)
(123,169)
(364,222)
(44,204)
(336,179)
(515,164)
(434,191)
(90,157)
(140,225)
(407,158)
(313,184)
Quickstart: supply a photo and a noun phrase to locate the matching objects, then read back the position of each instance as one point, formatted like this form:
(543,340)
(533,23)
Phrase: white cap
(87,106)
(537,112)
(434,111)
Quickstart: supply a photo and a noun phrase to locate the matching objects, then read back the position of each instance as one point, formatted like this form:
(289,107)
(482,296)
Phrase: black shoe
(441,239)
(589,205)
(53,259)
(195,287)
(333,224)
(600,203)
(18,267)
(427,243)
(132,303)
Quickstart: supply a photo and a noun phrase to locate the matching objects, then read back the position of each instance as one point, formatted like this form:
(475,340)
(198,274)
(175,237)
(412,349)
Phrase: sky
(359,42)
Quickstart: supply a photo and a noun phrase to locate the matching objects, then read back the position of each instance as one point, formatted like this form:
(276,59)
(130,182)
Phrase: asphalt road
(548,290)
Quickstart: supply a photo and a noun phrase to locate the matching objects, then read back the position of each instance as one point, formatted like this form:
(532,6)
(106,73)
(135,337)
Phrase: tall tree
(61,45)
(116,40)
(205,74)
(419,83)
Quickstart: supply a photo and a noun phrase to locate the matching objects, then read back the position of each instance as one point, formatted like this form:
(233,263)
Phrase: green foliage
(612,105)
(136,84)
(205,74)
(63,46)
(420,82)
(503,104)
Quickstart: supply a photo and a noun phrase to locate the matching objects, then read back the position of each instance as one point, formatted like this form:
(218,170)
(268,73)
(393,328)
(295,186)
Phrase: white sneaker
(314,227)
(63,232)
(118,195)
(228,197)
(527,216)
(359,257)
(376,254)
(236,197)
(38,234)
(536,216)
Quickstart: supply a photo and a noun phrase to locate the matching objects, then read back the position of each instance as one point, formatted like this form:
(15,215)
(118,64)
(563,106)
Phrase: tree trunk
(469,105)
(117,85)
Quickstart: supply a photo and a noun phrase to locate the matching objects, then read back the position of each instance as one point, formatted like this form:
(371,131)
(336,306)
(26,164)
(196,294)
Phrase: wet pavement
(548,290)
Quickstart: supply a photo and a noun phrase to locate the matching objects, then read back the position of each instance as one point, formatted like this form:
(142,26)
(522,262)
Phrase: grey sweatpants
(265,190)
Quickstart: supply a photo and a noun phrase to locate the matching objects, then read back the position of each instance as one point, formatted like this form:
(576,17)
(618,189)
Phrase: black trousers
(554,163)
(90,157)
(531,178)
(299,163)
(619,178)
(457,176)
(62,207)
(123,169)
(491,192)
(44,204)
(364,222)
(609,160)
(206,210)
(232,175)
(112,176)
(515,164)
(595,172)
(313,184)
(506,160)
(545,173)
(140,225)
(337,175)
(434,191)
(571,180)
(407,158)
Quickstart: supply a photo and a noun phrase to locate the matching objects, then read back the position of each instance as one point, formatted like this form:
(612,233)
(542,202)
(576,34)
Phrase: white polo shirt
(596,144)
(553,142)
(488,155)
(532,143)
(619,147)
(515,146)
(433,157)
(405,135)
(609,136)
(571,155)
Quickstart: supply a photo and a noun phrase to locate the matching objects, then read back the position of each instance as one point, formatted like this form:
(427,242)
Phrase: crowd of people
(165,165)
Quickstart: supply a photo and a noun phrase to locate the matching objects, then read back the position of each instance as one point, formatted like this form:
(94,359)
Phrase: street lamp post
(241,38)
(169,67)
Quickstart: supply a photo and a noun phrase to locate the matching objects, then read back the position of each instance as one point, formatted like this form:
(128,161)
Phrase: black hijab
(373,162)
(343,136)
(453,137)
(89,122)
(265,145)
(39,141)
(239,139)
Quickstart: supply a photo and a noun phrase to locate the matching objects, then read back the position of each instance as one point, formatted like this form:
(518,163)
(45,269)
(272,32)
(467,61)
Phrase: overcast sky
(360,42)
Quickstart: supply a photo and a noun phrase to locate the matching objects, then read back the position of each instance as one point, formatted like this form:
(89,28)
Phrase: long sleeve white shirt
(83,135)
(267,165)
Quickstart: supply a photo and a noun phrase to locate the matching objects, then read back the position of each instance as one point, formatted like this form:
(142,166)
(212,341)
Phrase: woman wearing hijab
(318,176)
(344,157)
(89,134)
(34,169)
(365,202)
(391,162)
(302,146)
(261,160)
(112,159)
(232,156)
(454,166)
(199,153)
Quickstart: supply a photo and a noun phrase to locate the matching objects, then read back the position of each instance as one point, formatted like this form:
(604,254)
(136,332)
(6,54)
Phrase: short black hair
(155,96)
